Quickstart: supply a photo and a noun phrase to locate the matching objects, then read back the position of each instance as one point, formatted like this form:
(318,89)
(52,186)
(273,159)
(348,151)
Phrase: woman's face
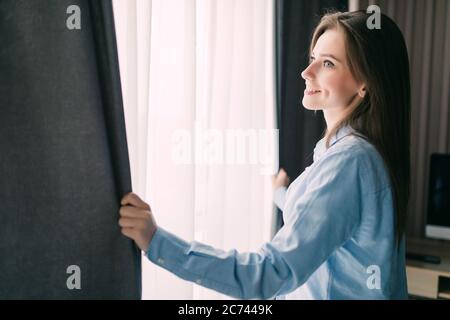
(330,86)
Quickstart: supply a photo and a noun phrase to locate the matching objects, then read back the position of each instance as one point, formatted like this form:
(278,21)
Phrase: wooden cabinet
(428,280)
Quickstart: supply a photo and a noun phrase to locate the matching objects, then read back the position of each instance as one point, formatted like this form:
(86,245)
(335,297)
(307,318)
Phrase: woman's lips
(311,92)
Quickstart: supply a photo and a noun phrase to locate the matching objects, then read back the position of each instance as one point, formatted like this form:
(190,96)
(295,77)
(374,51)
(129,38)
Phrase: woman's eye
(328,64)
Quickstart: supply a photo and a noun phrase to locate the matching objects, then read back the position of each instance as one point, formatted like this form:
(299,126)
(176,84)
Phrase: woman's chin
(310,106)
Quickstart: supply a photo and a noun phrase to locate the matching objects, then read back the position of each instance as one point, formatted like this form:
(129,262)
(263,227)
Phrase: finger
(134,200)
(130,223)
(128,232)
(285,174)
(133,212)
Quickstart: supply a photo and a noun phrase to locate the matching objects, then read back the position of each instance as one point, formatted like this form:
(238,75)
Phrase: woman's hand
(136,220)
(281,180)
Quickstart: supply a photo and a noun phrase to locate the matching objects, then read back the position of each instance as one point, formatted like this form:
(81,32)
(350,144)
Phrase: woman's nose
(307,74)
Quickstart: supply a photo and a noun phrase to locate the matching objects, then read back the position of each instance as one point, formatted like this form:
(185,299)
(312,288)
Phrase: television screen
(438,215)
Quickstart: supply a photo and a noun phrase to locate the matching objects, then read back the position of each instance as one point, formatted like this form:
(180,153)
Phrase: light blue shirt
(337,242)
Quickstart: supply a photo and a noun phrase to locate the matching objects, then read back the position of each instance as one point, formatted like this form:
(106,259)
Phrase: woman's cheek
(341,90)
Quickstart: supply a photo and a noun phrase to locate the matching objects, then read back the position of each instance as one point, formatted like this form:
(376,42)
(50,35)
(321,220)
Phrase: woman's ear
(362,92)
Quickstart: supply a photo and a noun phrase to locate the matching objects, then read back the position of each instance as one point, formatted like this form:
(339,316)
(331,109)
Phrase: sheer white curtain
(198,86)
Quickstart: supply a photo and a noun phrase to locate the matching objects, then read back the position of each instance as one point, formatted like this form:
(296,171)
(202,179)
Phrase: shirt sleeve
(279,197)
(321,220)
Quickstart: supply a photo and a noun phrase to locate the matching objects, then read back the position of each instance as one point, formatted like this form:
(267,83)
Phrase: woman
(344,216)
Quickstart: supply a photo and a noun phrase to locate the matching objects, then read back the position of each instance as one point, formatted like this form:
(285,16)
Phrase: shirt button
(160,260)
(198,281)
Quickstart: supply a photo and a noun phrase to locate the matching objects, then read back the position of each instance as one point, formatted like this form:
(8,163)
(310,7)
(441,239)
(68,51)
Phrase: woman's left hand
(136,220)
(281,179)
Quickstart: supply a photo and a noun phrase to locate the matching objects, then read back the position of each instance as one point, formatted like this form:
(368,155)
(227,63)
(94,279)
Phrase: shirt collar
(320,148)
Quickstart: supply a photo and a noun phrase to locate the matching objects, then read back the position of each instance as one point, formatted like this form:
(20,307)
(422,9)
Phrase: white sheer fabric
(198,86)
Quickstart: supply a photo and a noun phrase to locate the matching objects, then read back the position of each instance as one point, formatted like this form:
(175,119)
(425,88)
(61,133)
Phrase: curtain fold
(63,155)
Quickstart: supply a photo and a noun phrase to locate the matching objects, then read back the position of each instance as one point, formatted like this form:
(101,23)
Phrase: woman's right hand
(280,180)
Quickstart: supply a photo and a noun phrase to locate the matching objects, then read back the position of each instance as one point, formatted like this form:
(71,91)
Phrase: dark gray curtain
(300,129)
(63,154)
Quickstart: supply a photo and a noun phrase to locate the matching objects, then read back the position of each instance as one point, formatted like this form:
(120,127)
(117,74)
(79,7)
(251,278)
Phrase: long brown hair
(378,58)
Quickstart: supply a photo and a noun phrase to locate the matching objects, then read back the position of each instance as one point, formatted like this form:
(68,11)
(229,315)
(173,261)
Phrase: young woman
(344,216)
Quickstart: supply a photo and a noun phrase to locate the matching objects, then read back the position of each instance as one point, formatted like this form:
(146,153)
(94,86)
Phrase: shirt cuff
(165,248)
(279,197)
